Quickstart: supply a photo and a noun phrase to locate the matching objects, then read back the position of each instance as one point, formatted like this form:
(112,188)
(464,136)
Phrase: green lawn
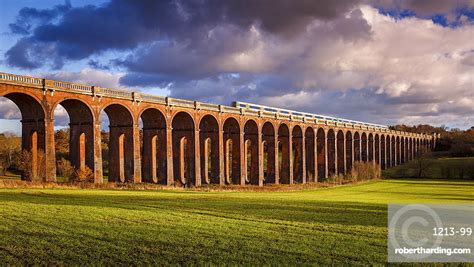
(339,225)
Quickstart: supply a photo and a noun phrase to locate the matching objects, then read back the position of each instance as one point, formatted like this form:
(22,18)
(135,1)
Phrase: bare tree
(422,164)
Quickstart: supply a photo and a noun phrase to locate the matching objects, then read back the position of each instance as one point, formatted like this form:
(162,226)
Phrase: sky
(385,61)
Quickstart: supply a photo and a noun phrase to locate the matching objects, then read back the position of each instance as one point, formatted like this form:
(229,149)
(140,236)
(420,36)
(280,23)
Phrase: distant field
(339,225)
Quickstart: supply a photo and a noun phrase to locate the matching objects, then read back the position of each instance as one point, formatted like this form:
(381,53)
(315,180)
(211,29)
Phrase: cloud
(343,58)
(29,18)
(8,110)
(75,33)
(89,76)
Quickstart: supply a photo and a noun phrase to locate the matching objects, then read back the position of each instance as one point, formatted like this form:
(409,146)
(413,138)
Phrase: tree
(10,150)
(61,142)
(422,164)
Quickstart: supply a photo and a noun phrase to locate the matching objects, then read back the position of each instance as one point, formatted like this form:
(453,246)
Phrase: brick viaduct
(194,143)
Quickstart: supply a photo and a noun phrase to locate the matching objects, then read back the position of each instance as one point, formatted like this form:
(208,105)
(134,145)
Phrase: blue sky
(387,62)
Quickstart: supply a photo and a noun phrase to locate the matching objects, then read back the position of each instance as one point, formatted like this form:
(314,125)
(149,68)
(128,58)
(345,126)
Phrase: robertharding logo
(408,228)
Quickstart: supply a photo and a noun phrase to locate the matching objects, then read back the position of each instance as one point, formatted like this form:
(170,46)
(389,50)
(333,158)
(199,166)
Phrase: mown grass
(338,225)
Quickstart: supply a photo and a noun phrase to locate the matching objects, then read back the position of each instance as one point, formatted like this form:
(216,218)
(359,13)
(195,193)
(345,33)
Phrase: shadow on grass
(294,210)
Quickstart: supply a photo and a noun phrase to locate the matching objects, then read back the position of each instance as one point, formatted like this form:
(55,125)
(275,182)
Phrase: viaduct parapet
(194,143)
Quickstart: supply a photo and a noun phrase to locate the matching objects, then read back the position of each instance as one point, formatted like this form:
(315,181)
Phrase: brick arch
(357,146)
(146,111)
(402,149)
(269,155)
(205,116)
(119,114)
(209,149)
(154,146)
(331,151)
(410,148)
(183,144)
(81,132)
(232,150)
(321,153)
(349,150)
(177,112)
(340,152)
(297,153)
(33,128)
(29,105)
(393,153)
(251,148)
(364,147)
(383,152)
(309,137)
(85,107)
(121,143)
(377,149)
(370,149)
(284,151)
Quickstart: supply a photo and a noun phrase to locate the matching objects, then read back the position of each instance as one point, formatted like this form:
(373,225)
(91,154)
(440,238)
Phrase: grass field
(436,167)
(339,225)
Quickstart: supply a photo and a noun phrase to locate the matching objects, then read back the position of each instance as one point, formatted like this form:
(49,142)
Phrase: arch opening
(232,151)
(407,149)
(340,152)
(332,164)
(154,146)
(297,146)
(183,135)
(402,150)
(349,149)
(284,153)
(377,149)
(383,154)
(269,160)
(120,138)
(310,155)
(251,152)
(75,140)
(398,152)
(357,147)
(209,148)
(33,140)
(371,148)
(364,148)
(321,151)
(393,154)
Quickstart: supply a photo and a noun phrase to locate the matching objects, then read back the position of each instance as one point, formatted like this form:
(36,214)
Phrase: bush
(337,179)
(64,168)
(83,175)
(29,172)
(363,171)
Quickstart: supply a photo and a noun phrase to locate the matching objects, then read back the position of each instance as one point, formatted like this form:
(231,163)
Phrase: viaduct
(182,142)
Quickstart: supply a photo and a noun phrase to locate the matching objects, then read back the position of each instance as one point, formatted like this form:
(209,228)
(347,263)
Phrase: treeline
(453,142)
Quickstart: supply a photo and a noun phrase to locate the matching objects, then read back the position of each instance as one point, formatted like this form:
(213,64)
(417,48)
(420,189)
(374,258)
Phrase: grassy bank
(436,167)
(338,225)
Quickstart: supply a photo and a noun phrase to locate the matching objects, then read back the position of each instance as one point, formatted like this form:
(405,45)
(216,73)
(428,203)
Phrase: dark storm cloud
(30,17)
(77,32)
(19,55)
